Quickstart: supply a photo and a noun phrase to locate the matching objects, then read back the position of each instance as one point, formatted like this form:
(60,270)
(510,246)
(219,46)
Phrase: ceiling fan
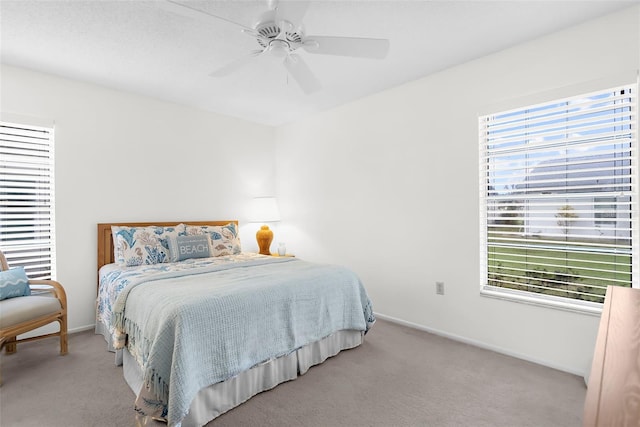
(279,33)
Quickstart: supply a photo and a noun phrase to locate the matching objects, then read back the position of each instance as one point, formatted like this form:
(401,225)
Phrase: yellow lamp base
(264,236)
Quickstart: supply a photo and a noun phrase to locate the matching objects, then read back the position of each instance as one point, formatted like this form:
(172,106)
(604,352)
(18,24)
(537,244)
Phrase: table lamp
(264,209)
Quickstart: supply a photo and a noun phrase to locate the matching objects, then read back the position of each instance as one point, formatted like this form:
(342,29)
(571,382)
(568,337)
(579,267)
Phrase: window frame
(558,95)
(28,143)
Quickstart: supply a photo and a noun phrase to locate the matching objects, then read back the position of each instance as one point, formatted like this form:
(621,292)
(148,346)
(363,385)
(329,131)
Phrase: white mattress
(219,398)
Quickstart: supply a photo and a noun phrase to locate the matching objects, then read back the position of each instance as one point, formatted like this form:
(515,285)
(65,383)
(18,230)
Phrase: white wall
(123,157)
(388,185)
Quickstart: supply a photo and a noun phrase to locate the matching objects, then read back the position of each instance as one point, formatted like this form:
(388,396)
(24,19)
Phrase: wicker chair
(46,304)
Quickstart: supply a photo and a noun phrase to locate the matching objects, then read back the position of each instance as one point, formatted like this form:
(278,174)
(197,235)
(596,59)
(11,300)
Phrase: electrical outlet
(440,288)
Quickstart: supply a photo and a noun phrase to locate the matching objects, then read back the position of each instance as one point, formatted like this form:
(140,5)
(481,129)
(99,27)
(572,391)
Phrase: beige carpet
(398,377)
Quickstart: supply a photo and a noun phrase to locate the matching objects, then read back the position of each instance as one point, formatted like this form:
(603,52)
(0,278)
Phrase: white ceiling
(140,46)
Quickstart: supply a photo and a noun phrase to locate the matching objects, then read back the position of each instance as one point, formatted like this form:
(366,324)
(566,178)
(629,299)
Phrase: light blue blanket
(190,331)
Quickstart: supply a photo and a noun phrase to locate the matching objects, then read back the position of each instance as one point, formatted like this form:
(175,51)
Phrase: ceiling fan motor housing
(271,30)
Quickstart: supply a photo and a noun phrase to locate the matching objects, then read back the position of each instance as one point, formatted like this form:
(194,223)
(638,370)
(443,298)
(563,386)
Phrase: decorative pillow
(224,238)
(143,245)
(14,283)
(185,247)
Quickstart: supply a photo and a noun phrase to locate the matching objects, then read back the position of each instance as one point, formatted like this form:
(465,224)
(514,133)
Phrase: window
(26,198)
(559,199)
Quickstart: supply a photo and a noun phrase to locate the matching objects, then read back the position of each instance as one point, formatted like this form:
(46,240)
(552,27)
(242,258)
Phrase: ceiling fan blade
(302,74)
(200,15)
(235,64)
(347,46)
(292,11)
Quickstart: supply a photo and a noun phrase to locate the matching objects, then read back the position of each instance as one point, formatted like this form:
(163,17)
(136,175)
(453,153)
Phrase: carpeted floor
(398,377)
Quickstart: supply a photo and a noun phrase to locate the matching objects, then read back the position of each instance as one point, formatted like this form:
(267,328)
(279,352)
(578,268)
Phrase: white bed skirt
(219,398)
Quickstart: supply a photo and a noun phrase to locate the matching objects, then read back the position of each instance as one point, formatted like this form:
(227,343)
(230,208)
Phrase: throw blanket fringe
(153,381)
(155,384)
(118,323)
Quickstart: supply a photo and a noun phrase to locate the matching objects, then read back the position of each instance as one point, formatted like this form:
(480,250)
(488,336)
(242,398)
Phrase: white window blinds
(558,190)
(26,198)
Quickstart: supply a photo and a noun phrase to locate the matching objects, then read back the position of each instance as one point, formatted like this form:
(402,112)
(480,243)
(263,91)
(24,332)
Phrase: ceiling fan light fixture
(279,48)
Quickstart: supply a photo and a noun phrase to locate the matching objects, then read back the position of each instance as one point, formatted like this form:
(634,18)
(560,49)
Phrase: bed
(200,327)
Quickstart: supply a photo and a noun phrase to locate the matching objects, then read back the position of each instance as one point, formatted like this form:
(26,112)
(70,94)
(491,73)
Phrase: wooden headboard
(105,238)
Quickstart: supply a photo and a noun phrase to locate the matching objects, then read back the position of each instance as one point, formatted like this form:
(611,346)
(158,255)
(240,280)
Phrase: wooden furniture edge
(613,392)
(105,237)
(592,399)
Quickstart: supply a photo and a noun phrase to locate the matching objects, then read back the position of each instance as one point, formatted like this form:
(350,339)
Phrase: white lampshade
(264,209)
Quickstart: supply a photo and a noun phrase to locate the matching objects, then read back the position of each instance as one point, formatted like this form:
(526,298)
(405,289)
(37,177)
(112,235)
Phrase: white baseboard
(81,329)
(480,344)
(53,327)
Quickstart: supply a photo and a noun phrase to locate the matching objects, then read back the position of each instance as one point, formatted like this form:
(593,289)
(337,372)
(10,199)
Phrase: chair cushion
(21,309)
